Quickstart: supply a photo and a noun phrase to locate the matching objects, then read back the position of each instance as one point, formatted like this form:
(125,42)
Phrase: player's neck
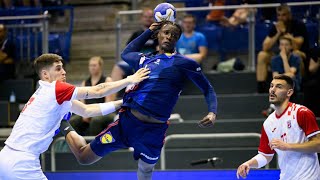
(279,109)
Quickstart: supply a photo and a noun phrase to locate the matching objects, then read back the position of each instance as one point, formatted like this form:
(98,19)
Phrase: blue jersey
(157,95)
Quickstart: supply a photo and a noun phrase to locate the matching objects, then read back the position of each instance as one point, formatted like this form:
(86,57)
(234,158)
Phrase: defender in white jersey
(40,118)
(292,132)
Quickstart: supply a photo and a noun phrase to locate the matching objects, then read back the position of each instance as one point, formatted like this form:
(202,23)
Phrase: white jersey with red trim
(295,125)
(34,129)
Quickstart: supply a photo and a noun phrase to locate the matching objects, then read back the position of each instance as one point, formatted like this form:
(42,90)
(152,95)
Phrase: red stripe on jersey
(64,91)
(264,143)
(307,121)
(109,126)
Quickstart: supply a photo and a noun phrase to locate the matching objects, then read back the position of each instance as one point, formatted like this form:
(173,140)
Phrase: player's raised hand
(139,76)
(208,120)
(155,26)
(243,170)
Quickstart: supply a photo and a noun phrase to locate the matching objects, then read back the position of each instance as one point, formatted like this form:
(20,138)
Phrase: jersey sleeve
(264,147)
(64,91)
(131,54)
(193,71)
(307,122)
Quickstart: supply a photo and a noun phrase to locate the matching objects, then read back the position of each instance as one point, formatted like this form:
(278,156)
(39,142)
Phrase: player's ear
(44,74)
(290,92)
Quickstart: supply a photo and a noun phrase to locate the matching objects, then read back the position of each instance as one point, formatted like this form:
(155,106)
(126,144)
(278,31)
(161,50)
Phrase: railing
(32,31)
(28,29)
(251,22)
(163,154)
(201,136)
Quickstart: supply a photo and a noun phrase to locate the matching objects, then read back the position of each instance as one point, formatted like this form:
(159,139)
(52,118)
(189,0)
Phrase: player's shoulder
(303,109)
(185,61)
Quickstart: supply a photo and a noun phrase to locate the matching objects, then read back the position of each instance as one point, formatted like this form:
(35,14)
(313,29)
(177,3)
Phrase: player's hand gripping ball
(164,12)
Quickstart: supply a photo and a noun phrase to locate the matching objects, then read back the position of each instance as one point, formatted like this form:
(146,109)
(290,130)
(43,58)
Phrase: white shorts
(16,165)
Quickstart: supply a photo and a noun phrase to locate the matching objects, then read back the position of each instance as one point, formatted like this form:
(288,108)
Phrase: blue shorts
(146,138)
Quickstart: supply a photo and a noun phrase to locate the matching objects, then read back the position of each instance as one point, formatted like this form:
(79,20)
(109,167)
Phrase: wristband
(65,127)
(107,108)
(262,161)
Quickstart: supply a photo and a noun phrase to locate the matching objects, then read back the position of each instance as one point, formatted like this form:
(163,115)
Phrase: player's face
(167,37)
(279,91)
(94,67)
(56,72)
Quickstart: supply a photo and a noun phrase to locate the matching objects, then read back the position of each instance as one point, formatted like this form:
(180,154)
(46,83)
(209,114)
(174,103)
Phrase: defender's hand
(243,170)
(208,120)
(139,76)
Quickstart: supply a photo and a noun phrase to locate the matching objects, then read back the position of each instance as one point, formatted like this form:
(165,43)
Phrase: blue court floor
(166,175)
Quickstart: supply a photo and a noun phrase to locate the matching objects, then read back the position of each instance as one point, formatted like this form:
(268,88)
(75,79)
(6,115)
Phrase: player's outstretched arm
(105,89)
(257,161)
(78,145)
(93,110)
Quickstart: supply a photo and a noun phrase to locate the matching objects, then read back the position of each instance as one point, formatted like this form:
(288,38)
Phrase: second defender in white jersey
(40,118)
(292,132)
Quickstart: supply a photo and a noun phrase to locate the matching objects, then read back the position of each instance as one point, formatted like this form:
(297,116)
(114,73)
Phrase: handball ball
(165,12)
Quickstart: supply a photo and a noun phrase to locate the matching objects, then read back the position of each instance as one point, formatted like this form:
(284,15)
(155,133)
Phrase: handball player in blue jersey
(147,106)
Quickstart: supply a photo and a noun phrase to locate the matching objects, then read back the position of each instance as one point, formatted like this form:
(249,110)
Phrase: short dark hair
(286,78)
(44,61)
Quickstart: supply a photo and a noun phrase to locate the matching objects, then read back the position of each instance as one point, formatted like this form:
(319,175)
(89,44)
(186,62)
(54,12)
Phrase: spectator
(286,62)
(122,69)
(7,67)
(312,85)
(192,44)
(92,126)
(240,15)
(288,27)
(216,15)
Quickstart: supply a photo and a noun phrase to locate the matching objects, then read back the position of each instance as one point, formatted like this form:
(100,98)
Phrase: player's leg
(19,165)
(107,141)
(81,150)
(6,163)
(145,170)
